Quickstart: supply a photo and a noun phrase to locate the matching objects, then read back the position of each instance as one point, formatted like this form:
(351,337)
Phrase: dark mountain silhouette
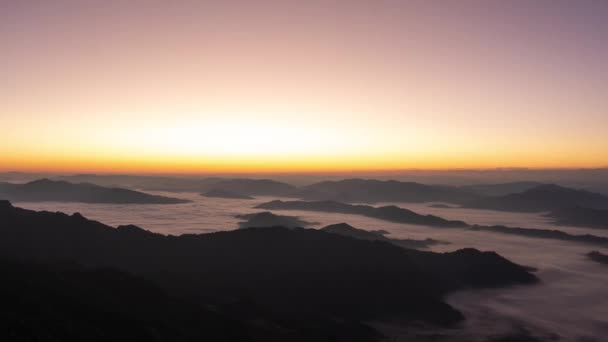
(268,219)
(69,302)
(303,272)
(400,215)
(520,335)
(66,302)
(151,183)
(255,187)
(598,257)
(371,191)
(582,217)
(501,189)
(387,213)
(225,194)
(378,235)
(60,191)
(542,198)
(441,206)
(243,186)
(545,234)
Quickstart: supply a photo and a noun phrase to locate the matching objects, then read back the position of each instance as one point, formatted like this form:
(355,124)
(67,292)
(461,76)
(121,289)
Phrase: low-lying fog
(571,302)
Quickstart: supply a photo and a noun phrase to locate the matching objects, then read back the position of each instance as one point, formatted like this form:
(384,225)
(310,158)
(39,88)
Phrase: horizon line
(304,172)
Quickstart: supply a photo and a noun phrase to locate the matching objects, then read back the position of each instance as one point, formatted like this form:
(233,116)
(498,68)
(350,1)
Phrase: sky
(239,86)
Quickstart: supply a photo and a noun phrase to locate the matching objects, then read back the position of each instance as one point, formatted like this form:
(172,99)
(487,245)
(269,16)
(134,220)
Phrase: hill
(546,197)
(374,235)
(268,219)
(372,191)
(219,193)
(67,302)
(500,189)
(61,191)
(598,257)
(388,213)
(287,272)
(582,217)
(243,186)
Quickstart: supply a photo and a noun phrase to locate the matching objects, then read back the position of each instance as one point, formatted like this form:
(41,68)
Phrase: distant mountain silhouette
(545,234)
(225,194)
(542,198)
(243,186)
(598,257)
(375,235)
(288,272)
(441,206)
(501,189)
(60,191)
(387,213)
(400,215)
(255,187)
(582,217)
(372,191)
(268,219)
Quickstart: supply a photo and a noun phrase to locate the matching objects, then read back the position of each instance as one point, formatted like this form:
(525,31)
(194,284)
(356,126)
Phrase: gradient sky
(195,86)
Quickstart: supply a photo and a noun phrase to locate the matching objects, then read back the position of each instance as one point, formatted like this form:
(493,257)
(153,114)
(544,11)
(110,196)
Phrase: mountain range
(60,191)
(388,213)
(541,198)
(287,278)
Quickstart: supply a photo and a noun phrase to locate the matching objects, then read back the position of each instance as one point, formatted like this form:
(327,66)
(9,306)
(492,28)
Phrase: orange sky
(293,86)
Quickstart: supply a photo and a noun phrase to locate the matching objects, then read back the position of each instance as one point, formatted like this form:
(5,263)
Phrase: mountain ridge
(61,191)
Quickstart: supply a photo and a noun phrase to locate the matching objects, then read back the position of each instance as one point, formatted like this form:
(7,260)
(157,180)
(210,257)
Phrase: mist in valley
(568,303)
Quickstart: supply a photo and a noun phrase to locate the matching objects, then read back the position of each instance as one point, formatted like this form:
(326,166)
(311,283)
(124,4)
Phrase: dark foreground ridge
(60,191)
(375,235)
(68,302)
(298,281)
(388,213)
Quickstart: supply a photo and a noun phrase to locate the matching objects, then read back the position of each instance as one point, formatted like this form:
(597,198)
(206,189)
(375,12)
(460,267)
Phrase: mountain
(545,234)
(48,190)
(375,235)
(441,206)
(219,193)
(70,302)
(400,215)
(268,219)
(500,189)
(298,272)
(243,186)
(150,183)
(67,302)
(598,257)
(372,191)
(582,217)
(546,197)
(387,213)
(255,187)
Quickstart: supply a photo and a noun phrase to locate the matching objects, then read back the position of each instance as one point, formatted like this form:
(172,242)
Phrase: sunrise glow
(190,88)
